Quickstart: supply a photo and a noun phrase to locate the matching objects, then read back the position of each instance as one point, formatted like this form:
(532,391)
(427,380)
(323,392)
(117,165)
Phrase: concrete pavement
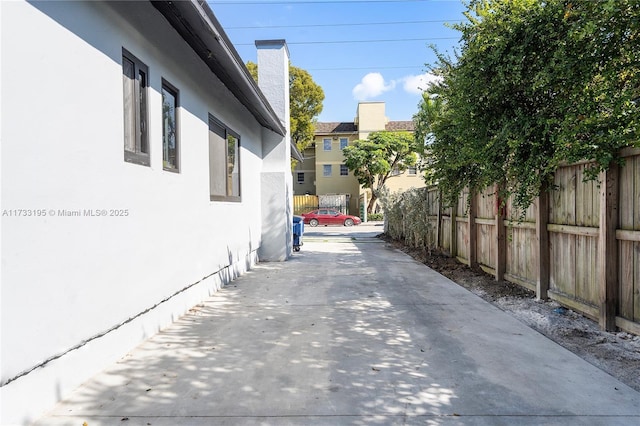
(348,332)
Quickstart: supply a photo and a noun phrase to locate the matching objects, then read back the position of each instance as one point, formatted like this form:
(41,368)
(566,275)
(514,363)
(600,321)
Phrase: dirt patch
(616,353)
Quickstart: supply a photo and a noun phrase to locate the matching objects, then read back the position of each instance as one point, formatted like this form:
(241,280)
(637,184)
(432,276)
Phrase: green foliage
(535,84)
(373,160)
(305,101)
(375,216)
(306,105)
(430,108)
(253,70)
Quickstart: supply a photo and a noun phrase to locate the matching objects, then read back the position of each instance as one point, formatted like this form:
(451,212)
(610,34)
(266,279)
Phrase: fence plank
(439,221)
(501,246)
(636,280)
(627,235)
(635,196)
(573,230)
(626,254)
(569,203)
(511,251)
(586,198)
(563,261)
(453,231)
(625,277)
(462,239)
(580,197)
(586,271)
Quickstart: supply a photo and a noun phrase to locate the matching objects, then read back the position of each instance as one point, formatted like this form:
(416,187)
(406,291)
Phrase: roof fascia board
(197,25)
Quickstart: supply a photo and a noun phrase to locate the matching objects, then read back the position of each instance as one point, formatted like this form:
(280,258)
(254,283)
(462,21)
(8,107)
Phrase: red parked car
(329,217)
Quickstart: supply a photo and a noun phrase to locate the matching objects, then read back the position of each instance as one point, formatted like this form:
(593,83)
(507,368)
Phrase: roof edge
(197,25)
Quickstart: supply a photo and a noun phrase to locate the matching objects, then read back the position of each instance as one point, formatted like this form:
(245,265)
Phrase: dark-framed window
(300,177)
(344,170)
(135,80)
(224,162)
(170,141)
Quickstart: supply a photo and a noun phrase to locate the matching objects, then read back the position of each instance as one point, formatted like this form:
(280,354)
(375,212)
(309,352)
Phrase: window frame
(324,144)
(299,176)
(346,144)
(139,111)
(176,94)
(324,170)
(342,168)
(227,133)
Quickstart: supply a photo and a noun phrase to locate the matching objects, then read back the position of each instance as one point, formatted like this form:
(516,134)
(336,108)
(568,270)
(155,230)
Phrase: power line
(316,2)
(359,41)
(342,25)
(365,68)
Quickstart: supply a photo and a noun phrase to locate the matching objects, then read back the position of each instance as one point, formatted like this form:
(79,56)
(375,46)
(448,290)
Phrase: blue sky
(355,50)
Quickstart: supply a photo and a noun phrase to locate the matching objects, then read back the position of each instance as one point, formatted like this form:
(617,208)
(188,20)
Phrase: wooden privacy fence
(578,244)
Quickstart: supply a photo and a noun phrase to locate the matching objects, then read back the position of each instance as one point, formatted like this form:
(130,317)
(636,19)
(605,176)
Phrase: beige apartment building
(323,171)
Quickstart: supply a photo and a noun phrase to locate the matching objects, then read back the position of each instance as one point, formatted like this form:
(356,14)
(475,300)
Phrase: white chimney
(276,177)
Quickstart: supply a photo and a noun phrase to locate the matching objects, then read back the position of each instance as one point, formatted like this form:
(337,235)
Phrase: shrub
(407,217)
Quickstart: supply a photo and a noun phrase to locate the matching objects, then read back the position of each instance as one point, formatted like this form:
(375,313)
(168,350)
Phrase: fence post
(501,236)
(439,219)
(453,230)
(473,237)
(542,247)
(608,248)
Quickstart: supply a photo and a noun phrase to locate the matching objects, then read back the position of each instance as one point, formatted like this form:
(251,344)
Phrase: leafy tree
(534,84)
(305,99)
(430,108)
(374,159)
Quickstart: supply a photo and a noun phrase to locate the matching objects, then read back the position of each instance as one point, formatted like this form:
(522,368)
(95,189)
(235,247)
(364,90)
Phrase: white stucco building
(142,169)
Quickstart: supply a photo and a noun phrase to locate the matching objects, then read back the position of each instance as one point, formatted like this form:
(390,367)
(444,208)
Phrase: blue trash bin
(298,230)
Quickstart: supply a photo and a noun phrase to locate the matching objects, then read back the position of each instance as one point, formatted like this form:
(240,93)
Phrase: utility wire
(359,41)
(341,25)
(364,68)
(316,2)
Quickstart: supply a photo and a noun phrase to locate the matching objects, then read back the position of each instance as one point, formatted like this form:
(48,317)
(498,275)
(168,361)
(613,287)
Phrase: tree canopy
(374,160)
(305,100)
(534,84)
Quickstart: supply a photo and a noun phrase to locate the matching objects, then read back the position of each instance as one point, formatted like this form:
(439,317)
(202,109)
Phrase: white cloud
(371,85)
(416,84)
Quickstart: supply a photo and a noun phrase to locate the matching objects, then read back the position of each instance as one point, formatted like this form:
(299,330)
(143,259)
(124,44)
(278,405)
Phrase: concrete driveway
(348,332)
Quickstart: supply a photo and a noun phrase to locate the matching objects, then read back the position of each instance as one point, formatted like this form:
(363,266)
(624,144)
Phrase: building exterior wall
(405,181)
(306,184)
(370,118)
(104,252)
(335,183)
